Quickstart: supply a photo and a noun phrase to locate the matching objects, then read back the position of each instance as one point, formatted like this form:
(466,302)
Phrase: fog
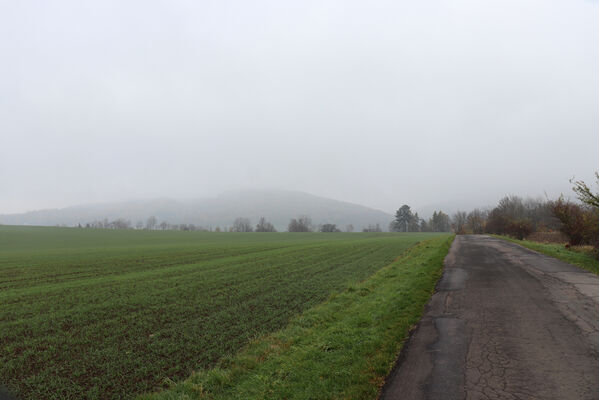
(380,103)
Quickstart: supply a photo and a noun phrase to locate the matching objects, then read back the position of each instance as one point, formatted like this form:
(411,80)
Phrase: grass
(341,349)
(111,314)
(579,257)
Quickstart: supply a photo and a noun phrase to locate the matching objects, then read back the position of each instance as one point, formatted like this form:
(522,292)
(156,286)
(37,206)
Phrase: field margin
(582,260)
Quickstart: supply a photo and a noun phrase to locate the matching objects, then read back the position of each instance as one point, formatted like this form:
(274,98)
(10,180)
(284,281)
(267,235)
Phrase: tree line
(302,223)
(150,224)
(515,216)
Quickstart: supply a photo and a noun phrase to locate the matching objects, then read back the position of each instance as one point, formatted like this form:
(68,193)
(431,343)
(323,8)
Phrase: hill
(277,206)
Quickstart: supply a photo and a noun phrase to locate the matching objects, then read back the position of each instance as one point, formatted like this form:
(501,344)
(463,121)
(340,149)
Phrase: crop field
(343,348)
(111,314)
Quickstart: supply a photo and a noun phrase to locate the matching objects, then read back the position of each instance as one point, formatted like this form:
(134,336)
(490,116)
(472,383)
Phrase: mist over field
(278,207)
(234,199)
(377,103)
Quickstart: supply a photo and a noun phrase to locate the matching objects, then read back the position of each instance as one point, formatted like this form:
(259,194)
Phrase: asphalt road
(505,323)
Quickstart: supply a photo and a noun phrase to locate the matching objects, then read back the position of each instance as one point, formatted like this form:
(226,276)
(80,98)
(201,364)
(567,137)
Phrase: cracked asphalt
(505,323)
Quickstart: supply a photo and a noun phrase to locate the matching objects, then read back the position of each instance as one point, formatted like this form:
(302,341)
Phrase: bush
(497,223)
(594,231)
(584,194)
(512,211)
(578,223)
(520,228)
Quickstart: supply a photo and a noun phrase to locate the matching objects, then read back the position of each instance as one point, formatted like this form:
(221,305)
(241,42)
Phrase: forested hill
(277,206)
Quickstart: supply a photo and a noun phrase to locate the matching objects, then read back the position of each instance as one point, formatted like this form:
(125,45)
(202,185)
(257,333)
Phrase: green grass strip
(341,349)
(583,260)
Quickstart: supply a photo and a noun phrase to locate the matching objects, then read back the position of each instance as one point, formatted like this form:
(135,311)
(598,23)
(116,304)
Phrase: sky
(380,103)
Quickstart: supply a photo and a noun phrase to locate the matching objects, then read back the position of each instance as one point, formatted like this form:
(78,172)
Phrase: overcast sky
(375,102)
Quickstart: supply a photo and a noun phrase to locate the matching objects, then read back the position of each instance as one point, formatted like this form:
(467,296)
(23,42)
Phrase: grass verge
(340,349)
(581,259)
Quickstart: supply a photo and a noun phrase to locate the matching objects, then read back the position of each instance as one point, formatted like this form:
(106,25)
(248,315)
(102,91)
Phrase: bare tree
(302,224)
(476,220)
(329,228)
(372,228)
(242,225)
(349,228)
(518,215)
(458,222)
(151,223)
(293,225)
(264,226)
(305,222)
(121,223)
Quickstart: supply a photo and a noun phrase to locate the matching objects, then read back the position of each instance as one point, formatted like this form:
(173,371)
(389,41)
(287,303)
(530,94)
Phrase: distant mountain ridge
(277,206)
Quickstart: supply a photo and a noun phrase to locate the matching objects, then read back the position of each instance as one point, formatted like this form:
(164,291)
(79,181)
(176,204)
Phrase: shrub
(584,194)
(577,222)
(594,231)
(497,222)
(519,228)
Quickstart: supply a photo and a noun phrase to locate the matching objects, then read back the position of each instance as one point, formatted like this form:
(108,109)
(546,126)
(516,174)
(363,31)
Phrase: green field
(111,314)
(340,349)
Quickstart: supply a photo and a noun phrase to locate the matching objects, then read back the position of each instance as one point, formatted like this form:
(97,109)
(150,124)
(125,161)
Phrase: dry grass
(548,237)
